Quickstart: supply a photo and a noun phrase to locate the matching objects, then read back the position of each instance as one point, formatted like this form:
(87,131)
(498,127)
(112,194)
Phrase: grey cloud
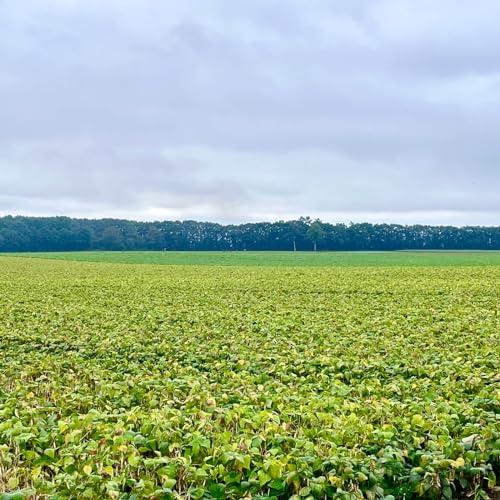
(235,110)
(104,175)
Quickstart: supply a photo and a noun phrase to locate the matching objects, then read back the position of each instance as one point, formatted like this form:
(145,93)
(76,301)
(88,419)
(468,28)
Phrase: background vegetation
(438,258)
(33,234)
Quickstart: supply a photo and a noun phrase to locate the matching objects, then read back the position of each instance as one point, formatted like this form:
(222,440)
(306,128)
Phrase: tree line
(23,234)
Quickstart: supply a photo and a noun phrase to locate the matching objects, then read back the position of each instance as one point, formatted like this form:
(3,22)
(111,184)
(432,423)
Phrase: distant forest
(32,234)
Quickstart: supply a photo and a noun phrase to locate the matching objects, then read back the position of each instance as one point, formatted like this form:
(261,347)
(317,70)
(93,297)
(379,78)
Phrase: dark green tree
(23,234)
(316,233)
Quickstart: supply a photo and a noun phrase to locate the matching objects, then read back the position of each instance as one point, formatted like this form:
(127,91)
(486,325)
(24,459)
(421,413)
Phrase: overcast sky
(231,111)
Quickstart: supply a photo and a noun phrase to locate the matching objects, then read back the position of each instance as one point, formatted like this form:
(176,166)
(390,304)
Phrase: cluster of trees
(23,234)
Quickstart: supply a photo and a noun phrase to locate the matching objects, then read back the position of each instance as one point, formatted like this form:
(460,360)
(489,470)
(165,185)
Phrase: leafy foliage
(35,234)
(128,381)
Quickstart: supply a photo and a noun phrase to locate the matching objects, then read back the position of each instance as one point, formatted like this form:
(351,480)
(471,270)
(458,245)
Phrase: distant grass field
(336,259)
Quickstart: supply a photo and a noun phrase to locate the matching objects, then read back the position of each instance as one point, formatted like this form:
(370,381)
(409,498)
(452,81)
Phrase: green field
(375,376)
(427,258)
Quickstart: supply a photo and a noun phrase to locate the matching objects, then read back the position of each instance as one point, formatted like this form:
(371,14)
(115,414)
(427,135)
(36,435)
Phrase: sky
(251,110)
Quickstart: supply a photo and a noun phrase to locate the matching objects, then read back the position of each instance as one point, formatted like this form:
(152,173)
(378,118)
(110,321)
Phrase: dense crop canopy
(142,381)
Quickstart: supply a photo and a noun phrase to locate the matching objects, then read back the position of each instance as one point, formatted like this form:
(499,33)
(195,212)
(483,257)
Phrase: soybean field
(341,377)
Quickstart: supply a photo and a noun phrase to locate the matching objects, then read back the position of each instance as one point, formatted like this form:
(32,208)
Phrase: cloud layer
(237,111)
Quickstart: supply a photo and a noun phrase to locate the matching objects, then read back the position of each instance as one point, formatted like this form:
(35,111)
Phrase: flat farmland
(283,259)
(208,380)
